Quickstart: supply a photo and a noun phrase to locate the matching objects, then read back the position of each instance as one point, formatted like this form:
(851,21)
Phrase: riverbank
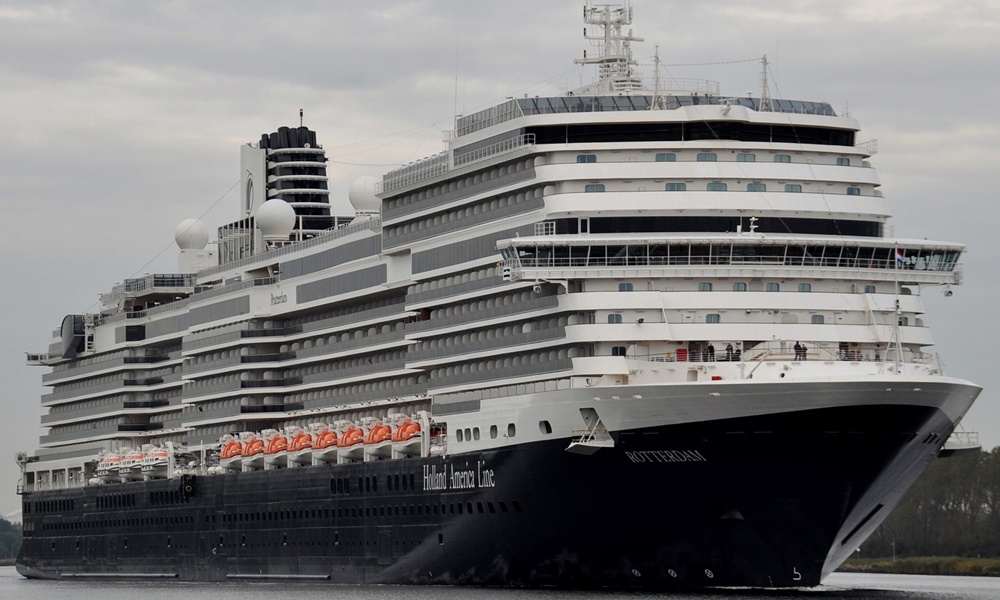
(925,565)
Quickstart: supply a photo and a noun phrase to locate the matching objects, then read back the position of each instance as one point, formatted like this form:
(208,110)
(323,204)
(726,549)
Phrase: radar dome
(275,219)
(362,195)
(191,234)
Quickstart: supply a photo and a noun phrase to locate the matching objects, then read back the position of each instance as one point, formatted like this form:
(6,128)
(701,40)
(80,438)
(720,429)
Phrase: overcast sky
(121,119)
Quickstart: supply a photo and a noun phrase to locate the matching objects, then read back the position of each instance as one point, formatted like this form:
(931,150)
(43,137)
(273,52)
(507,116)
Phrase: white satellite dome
(275,219)
(362,195)
(191,234)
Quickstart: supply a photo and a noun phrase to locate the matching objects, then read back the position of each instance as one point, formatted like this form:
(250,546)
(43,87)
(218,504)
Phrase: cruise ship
(639,335)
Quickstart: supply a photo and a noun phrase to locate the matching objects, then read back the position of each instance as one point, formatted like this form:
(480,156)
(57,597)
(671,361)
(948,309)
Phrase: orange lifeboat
(231,450)
(326,439)
(378,433)
(253,451)
(324,444)
(276,444)
(230,453)
(351,437)
(254,446)
(350,446)
(406,439)
(301,441)
(406,431)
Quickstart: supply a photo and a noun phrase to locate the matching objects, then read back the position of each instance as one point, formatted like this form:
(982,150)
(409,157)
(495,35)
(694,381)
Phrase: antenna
(657,100)
(765,94)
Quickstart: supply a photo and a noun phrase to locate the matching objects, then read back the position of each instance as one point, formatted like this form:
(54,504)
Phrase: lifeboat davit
(350,442)
(253,451)
(275,449)
(130,467)
(299,446)
(231,453)
(378,440)
(324,444)
(154,465)
(405,435)
(107,467)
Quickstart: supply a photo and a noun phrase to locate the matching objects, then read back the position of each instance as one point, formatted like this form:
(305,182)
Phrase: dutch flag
(899,259)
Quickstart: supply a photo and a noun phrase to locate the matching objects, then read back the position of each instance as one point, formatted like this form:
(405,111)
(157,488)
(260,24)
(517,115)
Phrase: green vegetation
(925,565)
(952,510)
(948,524)
(10,541)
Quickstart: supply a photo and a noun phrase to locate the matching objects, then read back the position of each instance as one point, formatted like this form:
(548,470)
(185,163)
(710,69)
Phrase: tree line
(10,539)
(952,510)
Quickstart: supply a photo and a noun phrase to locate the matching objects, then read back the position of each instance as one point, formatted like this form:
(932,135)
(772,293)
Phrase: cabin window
(782,158)
(869,289)
(493,432)
(511,430)
(615,318)
(772,287)
(793,187)
(666,157)
(843,161)
(625,287)
(805,287)
(707,157)
(545,427)
(716,186)
(818,319)
(586,158)
(594,187)
(746,157)
(618,351)
(712,318)
(756,187)
(676,187)
(705,286)
(853,191)
(739,286)
(459,436)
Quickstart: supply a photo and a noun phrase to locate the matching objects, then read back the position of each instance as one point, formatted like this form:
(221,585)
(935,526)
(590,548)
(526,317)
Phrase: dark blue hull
(771,501)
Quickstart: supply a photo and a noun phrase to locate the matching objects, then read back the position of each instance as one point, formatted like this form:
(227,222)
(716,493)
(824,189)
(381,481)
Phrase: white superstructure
(561,248)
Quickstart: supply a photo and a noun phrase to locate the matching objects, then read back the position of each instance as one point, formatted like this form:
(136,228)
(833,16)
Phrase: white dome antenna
(191,234)
(276,220)
(362,195)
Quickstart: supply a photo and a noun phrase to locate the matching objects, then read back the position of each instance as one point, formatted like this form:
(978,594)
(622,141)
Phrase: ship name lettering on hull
(450,478)
(665,456)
